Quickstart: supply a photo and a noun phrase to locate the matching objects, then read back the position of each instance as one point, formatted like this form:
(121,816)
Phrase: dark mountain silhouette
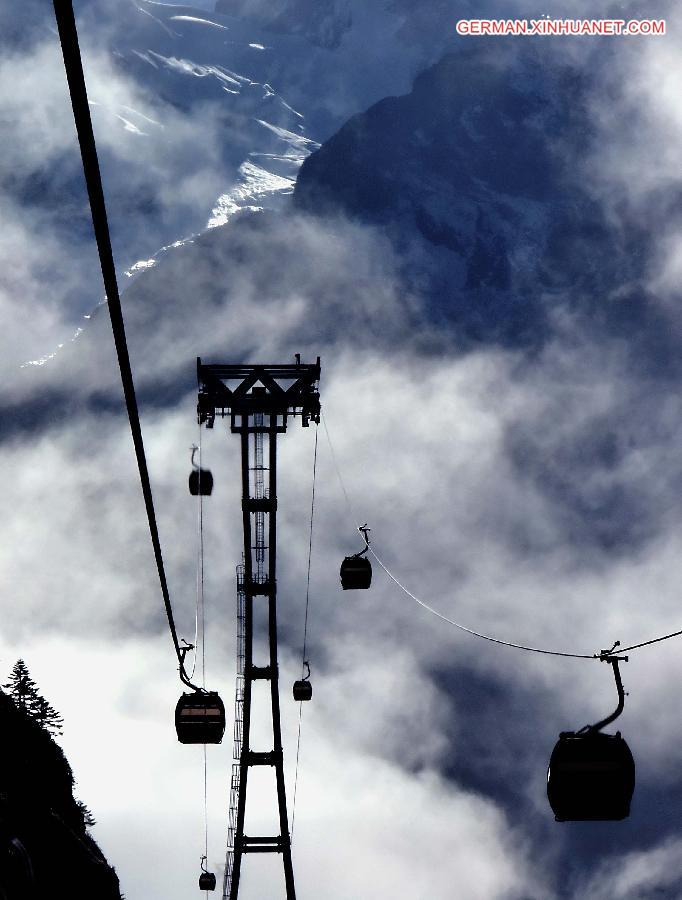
(481,178)
(45,848)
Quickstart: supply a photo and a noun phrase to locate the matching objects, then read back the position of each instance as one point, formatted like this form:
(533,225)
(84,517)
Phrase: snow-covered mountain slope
(323,22)
(394,29)
(197,114)
(276,84)
(211,134)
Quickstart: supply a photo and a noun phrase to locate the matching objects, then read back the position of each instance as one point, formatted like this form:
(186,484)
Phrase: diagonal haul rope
(305,634)
(444,618)
(656,640)
(68,36)
(478,634)
(201,630)
(199,613)
(310,554)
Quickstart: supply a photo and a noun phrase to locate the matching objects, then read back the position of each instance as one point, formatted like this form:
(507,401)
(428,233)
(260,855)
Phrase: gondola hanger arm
(364,531)
(609,656)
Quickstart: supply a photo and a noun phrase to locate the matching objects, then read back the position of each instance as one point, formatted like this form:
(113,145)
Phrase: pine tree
(24,692)
(47,716)
(88,818)
(22,688)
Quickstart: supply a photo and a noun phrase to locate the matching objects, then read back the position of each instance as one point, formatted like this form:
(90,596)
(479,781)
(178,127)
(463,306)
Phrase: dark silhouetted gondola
(591,776)
(200,480)
(200,718)
(200,483)
(206,879)
(356,571)
(303,689)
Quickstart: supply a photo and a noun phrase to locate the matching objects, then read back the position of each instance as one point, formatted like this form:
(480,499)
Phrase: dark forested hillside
(45,849)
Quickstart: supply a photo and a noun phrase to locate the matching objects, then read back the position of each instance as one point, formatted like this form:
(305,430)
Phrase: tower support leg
(259,500)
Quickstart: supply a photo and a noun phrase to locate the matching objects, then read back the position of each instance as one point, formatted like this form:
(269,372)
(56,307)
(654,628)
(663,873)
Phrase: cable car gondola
(200,480)
(206,879)
(200,483)
(303,689)
(356,573)
(591,775)
(200,718)
(356,570)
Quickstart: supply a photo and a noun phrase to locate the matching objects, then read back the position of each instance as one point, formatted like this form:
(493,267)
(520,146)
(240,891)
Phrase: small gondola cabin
(207,881)
(591,777)
(200,483)
(356,573)
(303,690)
(200,718)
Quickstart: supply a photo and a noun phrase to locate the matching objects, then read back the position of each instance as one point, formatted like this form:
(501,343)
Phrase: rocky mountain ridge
(476,176)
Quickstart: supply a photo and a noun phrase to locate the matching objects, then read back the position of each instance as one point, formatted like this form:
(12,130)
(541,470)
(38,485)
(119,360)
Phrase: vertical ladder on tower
(238,731)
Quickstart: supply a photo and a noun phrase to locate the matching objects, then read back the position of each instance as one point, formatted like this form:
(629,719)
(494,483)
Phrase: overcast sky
(532,496)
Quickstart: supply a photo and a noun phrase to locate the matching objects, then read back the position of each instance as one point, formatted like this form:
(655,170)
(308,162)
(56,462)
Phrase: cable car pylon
(258,400)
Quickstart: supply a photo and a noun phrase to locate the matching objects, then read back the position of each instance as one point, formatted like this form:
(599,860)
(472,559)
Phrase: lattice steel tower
(258,406)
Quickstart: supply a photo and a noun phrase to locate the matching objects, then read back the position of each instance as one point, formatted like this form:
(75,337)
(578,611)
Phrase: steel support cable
(426,606)
(201,631)
(310,553)
(305,634)
(68,36)
(338,472)
(205,805)
(201,591)
(478,634)
(198,579)
(199,618)
(201,578)
(485,637)
(656,640)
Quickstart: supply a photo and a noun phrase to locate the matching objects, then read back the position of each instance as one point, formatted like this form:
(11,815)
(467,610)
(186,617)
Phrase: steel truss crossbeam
(260,390)
(258,406)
